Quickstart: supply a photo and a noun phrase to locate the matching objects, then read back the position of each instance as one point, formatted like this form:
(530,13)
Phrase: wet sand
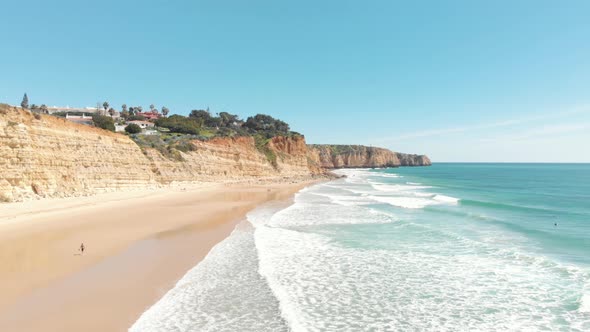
(137,246)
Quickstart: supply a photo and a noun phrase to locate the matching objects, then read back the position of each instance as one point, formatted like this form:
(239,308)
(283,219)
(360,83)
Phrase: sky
(473,81)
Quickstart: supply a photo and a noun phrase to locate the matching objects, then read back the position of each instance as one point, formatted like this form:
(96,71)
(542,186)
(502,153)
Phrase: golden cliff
(354,156)
(45,156)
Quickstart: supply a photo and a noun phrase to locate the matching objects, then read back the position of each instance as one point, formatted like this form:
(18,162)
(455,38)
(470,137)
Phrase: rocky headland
(355,156)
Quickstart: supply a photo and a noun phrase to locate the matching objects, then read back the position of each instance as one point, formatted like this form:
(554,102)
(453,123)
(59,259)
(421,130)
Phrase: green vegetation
(133,129)
(169,145)
(202,125)
(63,114)
(185,146)
(261,143)
(201,122)
(135,118)
(104,122)
(25,103)
(267,125)
(180,124)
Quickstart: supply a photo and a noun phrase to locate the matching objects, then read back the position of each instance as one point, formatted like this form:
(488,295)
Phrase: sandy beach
(138,245)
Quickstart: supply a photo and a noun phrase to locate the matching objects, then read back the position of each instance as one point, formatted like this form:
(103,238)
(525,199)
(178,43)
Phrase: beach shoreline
(138,246)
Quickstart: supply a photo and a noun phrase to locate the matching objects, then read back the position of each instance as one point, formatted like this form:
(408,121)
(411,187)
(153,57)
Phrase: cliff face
(52,157)
(45,156)
(354,156)
(228,159)
(413,159)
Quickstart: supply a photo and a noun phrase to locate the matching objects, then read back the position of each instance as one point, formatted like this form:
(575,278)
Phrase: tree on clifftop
(267,125)
(105,105)
(165,111)
(25,102)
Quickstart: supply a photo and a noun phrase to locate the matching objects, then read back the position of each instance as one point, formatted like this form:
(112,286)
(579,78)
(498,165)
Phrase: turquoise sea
(452,247)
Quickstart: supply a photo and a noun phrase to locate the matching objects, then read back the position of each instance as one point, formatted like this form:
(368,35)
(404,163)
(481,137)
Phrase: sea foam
(365,254)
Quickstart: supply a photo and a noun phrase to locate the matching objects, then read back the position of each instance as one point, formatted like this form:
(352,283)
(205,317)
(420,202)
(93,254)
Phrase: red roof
(150,115)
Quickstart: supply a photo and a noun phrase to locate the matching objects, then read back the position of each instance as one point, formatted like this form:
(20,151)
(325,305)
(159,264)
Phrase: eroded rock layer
(45,156)
(52,157)
(358,156)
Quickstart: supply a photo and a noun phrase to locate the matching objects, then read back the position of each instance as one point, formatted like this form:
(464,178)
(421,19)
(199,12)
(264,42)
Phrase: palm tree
(105,105)
(124,108)
(165,111)
(152,107)
(111,112)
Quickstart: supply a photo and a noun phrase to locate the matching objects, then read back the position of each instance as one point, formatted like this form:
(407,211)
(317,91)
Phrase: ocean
(451,247)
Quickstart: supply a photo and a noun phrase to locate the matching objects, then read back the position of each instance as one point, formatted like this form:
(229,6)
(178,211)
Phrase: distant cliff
(413,159)
(355,156)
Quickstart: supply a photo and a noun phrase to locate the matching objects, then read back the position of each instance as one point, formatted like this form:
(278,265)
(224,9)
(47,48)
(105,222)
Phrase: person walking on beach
(82,248)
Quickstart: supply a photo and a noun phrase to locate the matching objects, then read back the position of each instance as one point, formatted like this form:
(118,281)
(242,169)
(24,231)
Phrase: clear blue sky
(457,80)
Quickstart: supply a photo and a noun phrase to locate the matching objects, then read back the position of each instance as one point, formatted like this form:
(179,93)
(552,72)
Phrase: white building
(142,124)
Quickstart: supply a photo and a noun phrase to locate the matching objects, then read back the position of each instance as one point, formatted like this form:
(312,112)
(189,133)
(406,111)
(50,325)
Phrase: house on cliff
(142,124)
(153,115)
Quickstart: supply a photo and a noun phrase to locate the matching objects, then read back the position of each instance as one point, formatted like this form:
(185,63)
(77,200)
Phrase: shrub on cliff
(104,122)
(224,120)
(180,124)
(201,115)
(261,143)
(267,126)
(133,129)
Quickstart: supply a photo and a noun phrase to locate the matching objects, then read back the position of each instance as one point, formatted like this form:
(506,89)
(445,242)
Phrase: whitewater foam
(324,284)
(224,292)
(404,202)
(446,199)
(585,303)
(395,187)
(367,255)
